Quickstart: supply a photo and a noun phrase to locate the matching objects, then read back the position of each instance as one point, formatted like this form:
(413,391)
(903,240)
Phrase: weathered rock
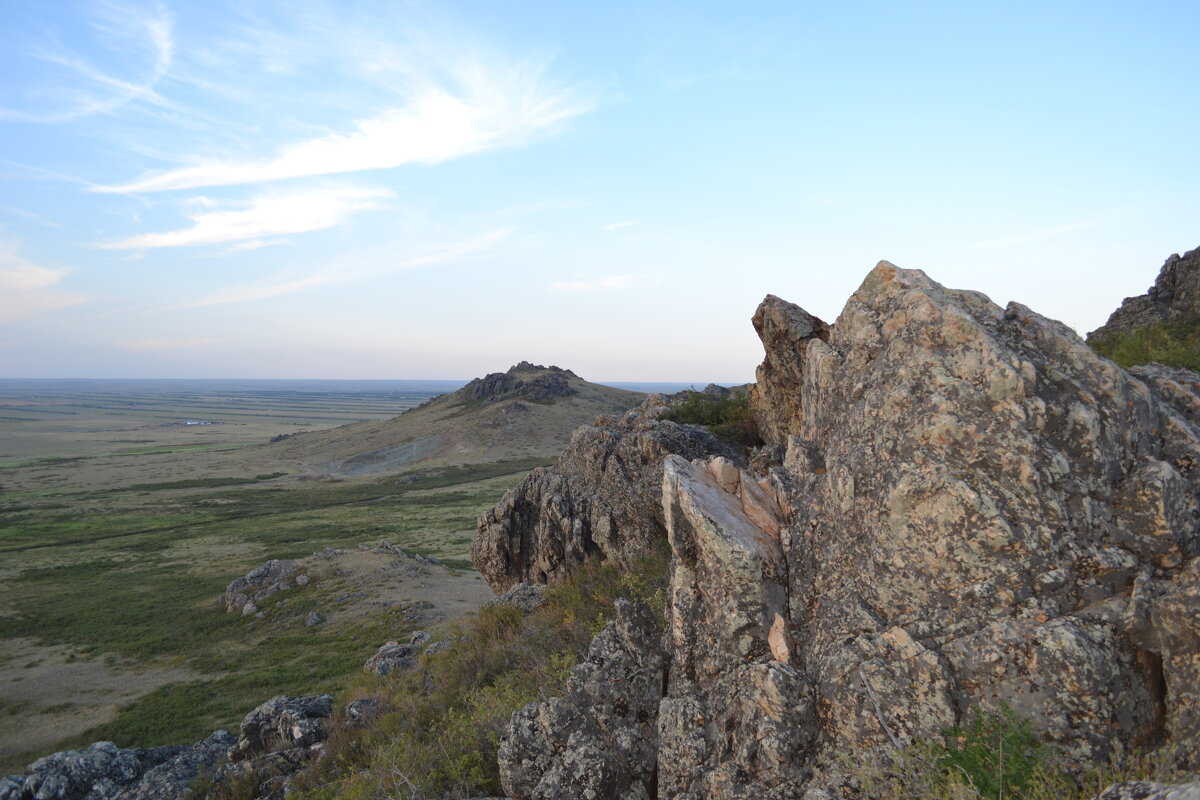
(601,499)
(101,772)
(245,593)
(1175,293)
(526,596)
(962,506)
(544,385)
(390,658)
(172,779)
(785,330)
(313,619)
(598,742)
(732,662)
(362,711)
(1142,790)
(282,723)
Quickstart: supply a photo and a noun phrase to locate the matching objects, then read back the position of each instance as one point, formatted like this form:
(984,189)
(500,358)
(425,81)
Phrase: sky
(401,190)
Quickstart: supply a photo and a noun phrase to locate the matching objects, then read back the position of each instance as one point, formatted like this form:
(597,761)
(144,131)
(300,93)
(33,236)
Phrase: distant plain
(121,523)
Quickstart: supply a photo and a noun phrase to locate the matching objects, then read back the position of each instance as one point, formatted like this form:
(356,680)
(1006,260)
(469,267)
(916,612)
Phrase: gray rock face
(967,506)
(785,330)
(283,723)
(545,386)
(392,657)
(1175,293)
(526,596)
(603,498)
(243,594)
(599,741)
(1141,790)
(106,772)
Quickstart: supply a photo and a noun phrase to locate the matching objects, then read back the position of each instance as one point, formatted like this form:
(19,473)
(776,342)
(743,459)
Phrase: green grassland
(124,575)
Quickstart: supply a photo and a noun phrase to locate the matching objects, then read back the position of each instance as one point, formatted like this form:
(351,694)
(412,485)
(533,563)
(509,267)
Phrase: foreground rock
(106,772)
(602,499)
(1175,293)
(599,741)
(964,506)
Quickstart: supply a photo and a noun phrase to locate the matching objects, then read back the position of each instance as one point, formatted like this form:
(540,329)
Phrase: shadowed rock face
(968,506)
(526,381)
(1175,293)
(603,498)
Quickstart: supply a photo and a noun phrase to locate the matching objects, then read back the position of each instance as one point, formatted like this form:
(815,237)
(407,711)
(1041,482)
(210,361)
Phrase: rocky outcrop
(964,506)
(602,498)
(598,742)
(526,381)
(785,330)
(106,772)
(245,593)
(1175,293)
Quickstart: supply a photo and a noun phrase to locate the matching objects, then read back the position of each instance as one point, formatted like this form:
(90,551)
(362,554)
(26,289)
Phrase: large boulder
(967,507)
(601,499)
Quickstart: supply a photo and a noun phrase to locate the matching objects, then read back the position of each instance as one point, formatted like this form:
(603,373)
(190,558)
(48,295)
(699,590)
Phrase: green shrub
(1175,343)
(441,728)
(728,417)
(999,757)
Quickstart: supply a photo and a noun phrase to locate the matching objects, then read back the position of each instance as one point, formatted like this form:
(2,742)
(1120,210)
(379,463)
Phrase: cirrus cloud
(27,290)
(273,214)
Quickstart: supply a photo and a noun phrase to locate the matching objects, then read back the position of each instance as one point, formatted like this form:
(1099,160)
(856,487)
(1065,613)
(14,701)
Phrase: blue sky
(405,190)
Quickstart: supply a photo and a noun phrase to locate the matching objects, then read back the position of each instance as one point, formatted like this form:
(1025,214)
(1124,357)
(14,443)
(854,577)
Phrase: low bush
(441,728)
(1175,343)
(728,417)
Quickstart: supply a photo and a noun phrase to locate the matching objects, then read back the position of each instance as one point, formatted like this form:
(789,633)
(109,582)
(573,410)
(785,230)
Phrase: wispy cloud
(363,267)
(1036,236)
(616,226)
(146,345)
(27,290)
(272,214)
(465,108)
(610,282)
(141,42)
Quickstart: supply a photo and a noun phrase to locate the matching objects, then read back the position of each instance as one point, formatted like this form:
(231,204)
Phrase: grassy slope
(1175,343)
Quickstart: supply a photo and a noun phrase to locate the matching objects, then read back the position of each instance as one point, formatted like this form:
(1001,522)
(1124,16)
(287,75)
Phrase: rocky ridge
(1175,293)
(960,506)
(602,498)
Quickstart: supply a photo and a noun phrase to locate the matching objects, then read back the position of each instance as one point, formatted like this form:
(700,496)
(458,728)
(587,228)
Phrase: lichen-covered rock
(526,596)
(962,506)
(1175,293)
(1142,790)
(104,771)
(245,593)
(603,498)
(173,778)
(598,742)
(392,657)
(739,715)
(283,723)
(785,330)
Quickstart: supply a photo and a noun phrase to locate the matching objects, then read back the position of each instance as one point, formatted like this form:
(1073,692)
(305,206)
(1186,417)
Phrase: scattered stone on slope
(390,658)
(598,742)
(1175,293)
(245,593)
(603,498)
(283,723)
(526,596)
